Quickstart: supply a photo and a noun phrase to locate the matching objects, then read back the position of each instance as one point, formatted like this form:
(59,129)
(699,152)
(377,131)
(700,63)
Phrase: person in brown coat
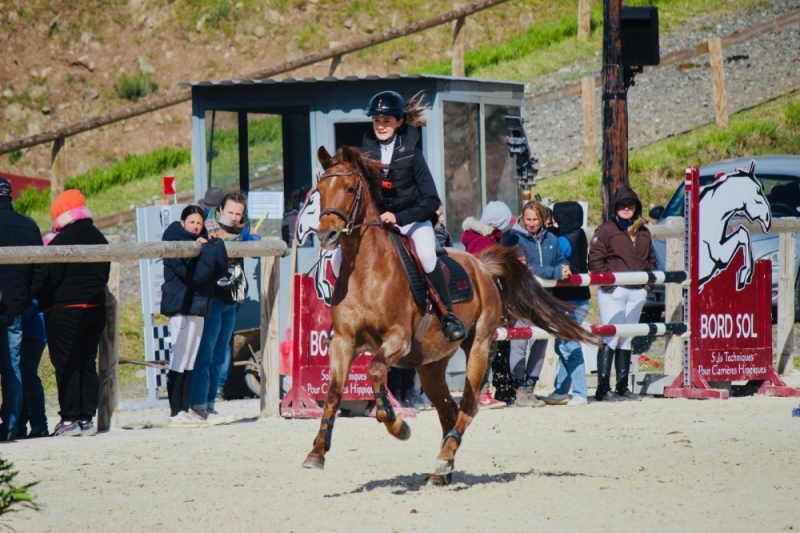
(621,244)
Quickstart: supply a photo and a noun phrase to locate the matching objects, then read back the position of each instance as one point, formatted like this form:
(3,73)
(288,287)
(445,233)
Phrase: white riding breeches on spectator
(623,306)
(424,241)
(186,332)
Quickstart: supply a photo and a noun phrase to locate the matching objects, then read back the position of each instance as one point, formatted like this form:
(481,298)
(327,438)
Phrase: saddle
(424,294)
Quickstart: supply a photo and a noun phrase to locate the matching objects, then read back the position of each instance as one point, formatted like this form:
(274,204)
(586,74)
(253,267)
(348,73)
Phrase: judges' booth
(261,137)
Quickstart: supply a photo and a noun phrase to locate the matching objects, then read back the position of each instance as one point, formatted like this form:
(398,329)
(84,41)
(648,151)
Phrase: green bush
(14,156)
(134,87)
(130,169)
(793,116)
(12,495)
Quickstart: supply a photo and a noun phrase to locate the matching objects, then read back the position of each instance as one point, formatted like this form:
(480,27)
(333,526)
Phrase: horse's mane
(369,168)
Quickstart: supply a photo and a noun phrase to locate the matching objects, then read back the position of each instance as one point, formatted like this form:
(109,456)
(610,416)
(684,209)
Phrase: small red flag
(169,185)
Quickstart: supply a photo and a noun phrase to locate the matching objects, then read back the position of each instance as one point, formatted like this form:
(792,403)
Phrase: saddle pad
(458,280)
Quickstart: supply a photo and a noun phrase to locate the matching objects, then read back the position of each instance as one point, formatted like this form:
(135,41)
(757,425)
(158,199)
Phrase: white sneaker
(211,418)
(186,420)
(577,400)
(227,419)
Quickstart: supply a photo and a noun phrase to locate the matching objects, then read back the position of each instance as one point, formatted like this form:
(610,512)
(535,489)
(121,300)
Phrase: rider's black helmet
(386,103)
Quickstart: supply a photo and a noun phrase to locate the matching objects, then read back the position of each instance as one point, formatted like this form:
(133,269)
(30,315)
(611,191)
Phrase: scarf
(222,227)
(630,226)
(65,219)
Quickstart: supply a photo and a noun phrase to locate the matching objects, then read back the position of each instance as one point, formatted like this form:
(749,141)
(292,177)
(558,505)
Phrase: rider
(409,197)
(620,244)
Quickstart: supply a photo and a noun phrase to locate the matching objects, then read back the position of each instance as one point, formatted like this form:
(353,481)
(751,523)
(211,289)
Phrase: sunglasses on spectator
(626,206)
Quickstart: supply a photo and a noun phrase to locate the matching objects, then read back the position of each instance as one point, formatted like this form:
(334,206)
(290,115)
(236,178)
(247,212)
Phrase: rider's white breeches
(424,241)
(623,306)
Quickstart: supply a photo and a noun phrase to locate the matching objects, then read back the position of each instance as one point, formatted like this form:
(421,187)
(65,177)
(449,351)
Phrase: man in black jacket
(18,284)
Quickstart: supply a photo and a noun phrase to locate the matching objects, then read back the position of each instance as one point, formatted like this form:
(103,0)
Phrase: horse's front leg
(342,354)
(394,346)
(738,238)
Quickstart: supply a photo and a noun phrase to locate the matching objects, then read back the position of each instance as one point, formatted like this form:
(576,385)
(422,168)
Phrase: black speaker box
(639,36)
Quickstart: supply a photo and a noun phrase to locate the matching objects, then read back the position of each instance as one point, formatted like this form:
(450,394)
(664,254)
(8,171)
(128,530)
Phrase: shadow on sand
(461,481)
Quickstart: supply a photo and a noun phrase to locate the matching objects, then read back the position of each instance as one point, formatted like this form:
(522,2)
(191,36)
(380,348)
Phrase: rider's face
(385,126)
(626,210)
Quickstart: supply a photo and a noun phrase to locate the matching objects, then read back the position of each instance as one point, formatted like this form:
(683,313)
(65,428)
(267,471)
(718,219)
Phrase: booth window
(462,164)
(501,168)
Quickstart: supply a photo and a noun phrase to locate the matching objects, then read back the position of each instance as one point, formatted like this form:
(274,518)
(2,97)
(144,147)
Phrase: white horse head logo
(323,284)
(308,218)
(738,193)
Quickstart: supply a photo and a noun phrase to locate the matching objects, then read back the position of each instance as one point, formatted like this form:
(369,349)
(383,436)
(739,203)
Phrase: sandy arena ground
(656,465)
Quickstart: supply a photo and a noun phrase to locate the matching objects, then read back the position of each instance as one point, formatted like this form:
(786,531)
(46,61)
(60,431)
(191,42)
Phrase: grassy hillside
(656,170)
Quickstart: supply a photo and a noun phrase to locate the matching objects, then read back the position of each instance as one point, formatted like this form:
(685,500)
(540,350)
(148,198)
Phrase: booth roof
(266,81)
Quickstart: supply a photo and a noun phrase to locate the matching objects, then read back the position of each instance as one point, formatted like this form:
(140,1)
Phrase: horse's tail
(526,299)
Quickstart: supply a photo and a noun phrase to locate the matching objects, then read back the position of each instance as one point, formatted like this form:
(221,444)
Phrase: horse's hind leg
(341,358)
(392,348)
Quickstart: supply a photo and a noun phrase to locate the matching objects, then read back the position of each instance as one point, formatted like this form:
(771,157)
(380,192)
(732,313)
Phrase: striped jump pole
(621,278)
(651,329)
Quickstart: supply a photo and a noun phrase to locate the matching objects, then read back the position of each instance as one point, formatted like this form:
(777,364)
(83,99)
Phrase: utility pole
(615,107)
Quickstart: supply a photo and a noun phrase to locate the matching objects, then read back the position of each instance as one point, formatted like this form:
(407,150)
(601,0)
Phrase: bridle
(348,218)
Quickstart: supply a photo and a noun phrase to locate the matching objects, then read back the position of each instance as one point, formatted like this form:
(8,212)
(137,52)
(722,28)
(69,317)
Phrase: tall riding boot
(605,357)
(187,391)
(622,362)
(452,327)
(174,391)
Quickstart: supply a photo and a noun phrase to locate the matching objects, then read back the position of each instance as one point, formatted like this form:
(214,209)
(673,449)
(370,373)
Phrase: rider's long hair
(416,111)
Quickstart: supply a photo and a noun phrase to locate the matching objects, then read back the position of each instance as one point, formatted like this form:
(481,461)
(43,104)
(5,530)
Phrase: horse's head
(756,206)
(344,195)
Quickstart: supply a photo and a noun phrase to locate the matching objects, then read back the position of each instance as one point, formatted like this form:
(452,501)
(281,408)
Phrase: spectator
(289,223)
(34,339)
(74,302)
(18,284)
(620,244)
(572,370)
(186,296)
(479,234)
(225,223)
(211,199)
(443,239)
(544,258)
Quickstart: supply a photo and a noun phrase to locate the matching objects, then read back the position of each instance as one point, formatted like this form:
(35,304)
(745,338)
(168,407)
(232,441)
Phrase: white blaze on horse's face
(337,197)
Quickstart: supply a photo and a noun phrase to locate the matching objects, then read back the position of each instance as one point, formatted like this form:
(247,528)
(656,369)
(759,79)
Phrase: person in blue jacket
(186,296)
(540,251)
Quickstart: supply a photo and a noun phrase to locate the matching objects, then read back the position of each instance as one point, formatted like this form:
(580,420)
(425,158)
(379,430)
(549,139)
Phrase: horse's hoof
(444,468)
(316,462)
(439,481)
(405,432)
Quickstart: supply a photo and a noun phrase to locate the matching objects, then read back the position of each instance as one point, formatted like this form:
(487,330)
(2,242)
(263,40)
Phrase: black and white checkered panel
(162,347)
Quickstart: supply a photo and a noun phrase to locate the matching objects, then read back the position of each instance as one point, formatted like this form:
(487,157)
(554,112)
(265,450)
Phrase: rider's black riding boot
(605,357)
(452,327)
(622,362)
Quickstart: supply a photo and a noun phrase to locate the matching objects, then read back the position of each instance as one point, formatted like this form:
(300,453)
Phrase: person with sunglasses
(621,244)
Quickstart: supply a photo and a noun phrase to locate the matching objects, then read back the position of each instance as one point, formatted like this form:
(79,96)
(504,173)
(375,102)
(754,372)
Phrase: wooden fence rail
(108,359)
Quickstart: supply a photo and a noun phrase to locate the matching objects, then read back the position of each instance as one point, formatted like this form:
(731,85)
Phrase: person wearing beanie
(74,302)
(479,234)
(18,285)
(621,244)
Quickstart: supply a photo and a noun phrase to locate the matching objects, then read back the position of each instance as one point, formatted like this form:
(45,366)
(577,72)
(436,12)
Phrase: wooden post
(584,21)
(458,66)
(673,308)
(615,108)
(335,60)
(718,77)
(589,114)
(58,167)
(108,358)
(786,296)
(270,352)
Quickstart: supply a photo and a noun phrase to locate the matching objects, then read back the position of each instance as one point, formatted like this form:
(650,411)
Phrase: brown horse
(374,310)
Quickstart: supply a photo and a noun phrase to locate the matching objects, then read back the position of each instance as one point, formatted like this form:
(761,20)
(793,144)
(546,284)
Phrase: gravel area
(677,98)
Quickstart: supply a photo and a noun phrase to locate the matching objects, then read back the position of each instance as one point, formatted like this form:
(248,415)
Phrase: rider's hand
(388,218)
